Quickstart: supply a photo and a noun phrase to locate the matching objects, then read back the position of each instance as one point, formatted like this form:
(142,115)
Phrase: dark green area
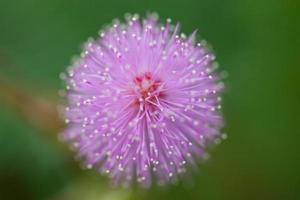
(256,42)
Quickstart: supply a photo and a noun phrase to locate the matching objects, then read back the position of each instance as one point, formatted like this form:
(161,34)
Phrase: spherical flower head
(143,102)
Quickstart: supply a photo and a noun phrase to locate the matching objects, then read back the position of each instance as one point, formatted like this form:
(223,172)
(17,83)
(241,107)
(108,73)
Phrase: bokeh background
(256,42)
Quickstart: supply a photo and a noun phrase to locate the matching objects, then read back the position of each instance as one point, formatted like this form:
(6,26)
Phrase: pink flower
(143,102)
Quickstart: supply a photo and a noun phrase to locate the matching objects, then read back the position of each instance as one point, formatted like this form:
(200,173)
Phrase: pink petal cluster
(143,102)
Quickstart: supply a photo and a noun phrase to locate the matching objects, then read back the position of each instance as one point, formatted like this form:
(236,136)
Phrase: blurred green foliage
(256,42)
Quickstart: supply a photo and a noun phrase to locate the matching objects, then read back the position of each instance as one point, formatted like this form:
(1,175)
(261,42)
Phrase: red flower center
(146,86)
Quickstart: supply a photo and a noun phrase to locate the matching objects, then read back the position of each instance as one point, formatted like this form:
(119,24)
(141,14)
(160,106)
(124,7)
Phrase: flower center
(145,86)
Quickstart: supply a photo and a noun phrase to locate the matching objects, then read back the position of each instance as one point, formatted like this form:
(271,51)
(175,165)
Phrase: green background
(256,42)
